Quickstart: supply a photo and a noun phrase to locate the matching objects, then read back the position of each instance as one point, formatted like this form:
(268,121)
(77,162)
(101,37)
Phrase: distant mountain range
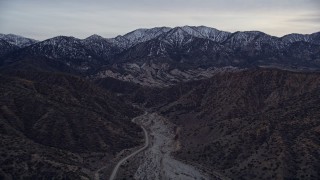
(164,53)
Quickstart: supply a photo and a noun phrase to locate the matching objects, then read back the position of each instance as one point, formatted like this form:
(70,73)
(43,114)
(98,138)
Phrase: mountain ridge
(167,50)
(297,35)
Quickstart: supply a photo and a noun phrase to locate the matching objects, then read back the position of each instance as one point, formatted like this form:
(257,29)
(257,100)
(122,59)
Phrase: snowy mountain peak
(246,34)
(60,47)
(178,33)
(19,41)
(61,41)
(310,38)
(142,35)
(291,38)
(94,37)
(199,32)
(138,36)
(62,38)
(193,30)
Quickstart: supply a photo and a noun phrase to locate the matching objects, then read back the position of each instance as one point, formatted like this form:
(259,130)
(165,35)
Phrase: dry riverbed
(156,161)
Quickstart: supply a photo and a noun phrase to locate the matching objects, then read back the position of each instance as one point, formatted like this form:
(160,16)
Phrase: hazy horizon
(43,19)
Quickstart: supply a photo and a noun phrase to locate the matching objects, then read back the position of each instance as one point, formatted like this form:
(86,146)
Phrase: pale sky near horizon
(42,19)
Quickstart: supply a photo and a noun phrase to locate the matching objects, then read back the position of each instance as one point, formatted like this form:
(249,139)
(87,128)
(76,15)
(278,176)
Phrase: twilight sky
(42,19)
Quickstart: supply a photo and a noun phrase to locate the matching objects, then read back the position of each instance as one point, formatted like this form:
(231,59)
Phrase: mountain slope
(6,48)
(253,124)
(158,55)
(59,125)
(182,52)
(75,103)
(100,48)
(78,55)
(183,44)
(17,40)
(137,36)
(311,38)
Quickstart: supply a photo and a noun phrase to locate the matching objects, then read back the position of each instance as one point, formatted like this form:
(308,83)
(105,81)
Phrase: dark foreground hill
(254,124)
(49,122)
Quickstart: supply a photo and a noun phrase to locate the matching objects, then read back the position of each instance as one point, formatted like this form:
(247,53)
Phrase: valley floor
(156,161)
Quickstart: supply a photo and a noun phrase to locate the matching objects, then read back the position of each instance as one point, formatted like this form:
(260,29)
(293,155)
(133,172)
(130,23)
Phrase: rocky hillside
(254,124)
(50,121)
